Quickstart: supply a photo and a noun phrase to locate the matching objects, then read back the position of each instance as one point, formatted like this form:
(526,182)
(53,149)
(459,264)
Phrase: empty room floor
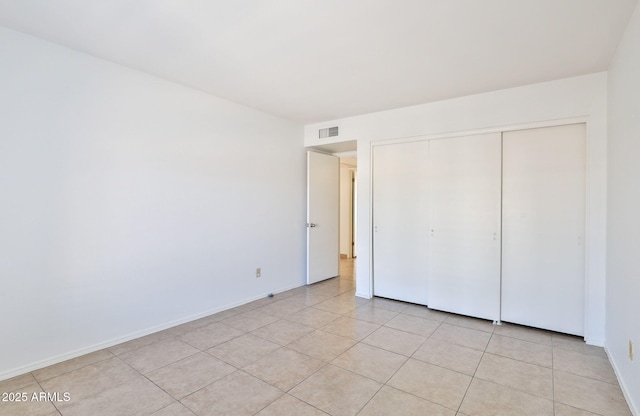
(319,350)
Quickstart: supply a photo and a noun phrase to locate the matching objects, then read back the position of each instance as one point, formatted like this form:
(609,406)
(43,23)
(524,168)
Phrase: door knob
(311,225)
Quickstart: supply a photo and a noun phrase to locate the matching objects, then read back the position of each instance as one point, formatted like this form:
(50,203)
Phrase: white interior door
(543,228)
(464,229)
(400,203)
(323,211)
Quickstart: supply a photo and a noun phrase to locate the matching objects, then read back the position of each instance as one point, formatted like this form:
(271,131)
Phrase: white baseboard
(635,411)
(363,295)
(115,341)
(597,342)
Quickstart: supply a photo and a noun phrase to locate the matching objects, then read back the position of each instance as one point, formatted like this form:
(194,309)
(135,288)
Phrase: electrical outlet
(258,272)
(630,350)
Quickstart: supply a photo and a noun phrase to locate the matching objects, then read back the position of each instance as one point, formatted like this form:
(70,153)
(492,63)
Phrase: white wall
(130,204)
(623,220)
(583,96)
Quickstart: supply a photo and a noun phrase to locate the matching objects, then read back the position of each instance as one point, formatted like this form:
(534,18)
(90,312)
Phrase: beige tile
(210,335)
(513,387)
(372,362)
(530,352)
(256,304)
(190,374)
(284,368)
(237,394)
(470,322)
(250,321)
(282,308)
(286,294)
(565,410)
(137,396)
(336,391)
(588,394)
(228,313)
(308,298)
(158,355)
(433,383)
(389,304)
(347,285)
(424,312)
(372,314)
(313,317)
(328,285)
(175,409)
(283,332)
(21,403)
(243,350)
(178,330)
(299,290)
(454,357)
(289,405)
(524,333)
(574,343)
(413,324)
(16,382)
(585,365)
(322,345)
(136,343)
(465,337)
(90,380)
(350,296)
(70,365)
(324,290)
(350,328)
(394,340)
(390,401)
(337,305)
(486,398)
(518,375)
(302,290)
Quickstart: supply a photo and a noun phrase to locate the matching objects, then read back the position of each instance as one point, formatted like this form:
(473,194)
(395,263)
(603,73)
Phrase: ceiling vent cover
(328,132)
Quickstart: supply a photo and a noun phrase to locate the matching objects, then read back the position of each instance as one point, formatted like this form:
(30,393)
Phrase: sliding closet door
(464,246)
(400,221)
(543,228)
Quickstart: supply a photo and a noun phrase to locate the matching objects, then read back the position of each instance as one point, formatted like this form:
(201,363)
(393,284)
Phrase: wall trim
(635,410)
(138,334)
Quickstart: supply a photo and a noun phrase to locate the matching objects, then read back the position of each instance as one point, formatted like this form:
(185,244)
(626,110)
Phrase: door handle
(311,225)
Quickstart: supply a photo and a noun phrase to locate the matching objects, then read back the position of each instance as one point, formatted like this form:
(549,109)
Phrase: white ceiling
(316,60)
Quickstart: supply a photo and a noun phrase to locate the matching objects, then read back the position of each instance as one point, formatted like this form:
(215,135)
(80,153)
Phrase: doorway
(348,207)
(343,177)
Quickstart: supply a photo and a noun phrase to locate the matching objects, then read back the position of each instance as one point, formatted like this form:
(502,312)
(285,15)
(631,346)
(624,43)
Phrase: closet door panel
(400,204)
(464,246)
(543,228)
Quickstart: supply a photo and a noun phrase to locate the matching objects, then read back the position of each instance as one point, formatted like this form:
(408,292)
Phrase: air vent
(328,132)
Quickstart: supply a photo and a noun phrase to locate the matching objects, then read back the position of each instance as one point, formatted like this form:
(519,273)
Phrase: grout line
(473,376)
(325,364)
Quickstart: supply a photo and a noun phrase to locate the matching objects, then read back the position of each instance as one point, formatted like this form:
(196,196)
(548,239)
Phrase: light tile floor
(319,350)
